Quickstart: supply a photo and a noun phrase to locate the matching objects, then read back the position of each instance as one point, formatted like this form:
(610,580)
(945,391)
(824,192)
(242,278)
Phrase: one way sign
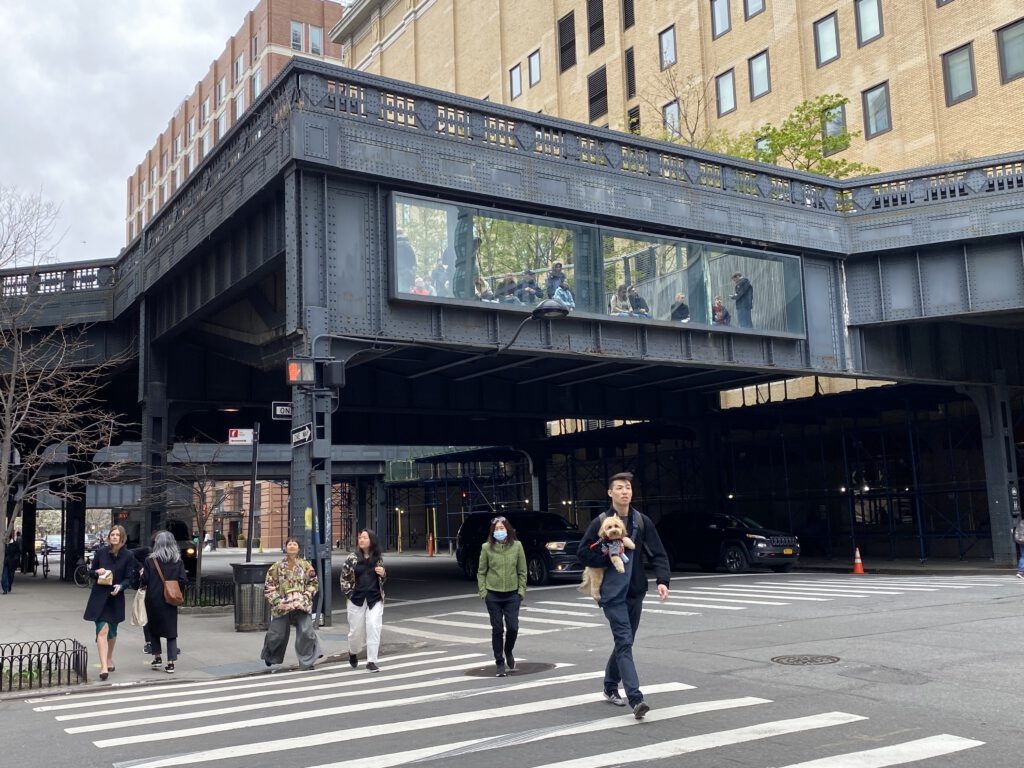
(302,435)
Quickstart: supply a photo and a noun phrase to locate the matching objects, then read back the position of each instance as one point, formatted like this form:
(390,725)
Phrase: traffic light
(301,372)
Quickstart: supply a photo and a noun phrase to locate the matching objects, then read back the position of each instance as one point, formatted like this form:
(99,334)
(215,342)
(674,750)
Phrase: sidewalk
(48,609)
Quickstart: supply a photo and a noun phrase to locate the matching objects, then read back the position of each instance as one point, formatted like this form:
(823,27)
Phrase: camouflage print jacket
(291,589)
(348,575)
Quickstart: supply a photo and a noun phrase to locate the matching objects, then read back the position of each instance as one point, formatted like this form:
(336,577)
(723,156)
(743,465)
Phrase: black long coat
(162,619)
(102,604)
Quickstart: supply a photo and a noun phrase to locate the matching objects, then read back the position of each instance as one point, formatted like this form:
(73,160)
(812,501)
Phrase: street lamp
(549,309)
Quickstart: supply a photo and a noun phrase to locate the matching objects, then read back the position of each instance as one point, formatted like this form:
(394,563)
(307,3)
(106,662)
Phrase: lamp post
(549,309)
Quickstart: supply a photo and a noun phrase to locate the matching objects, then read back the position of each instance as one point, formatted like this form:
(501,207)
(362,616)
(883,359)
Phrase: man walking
(622,595)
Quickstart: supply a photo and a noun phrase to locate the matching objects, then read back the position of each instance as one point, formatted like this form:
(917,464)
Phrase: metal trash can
(252,611)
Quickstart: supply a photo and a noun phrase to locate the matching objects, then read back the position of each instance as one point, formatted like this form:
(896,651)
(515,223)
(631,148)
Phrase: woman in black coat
(162,618)
(106,601)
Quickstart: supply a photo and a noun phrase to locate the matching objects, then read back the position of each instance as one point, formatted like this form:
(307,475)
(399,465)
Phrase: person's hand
(379,570)
(116,589)
(102,572)
(663,592)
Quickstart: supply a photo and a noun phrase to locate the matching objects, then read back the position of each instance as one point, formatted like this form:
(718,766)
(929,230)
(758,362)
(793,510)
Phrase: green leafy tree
(809,139)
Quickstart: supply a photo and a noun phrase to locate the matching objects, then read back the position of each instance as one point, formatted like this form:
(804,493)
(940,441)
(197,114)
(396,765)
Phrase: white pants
(364,629)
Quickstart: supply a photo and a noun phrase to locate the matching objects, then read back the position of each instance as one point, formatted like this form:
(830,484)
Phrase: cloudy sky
(86,86)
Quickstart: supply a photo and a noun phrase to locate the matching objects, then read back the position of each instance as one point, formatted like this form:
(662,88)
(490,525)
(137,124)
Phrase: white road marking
(896,754)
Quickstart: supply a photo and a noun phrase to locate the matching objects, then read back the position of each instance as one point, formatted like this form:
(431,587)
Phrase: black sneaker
(510,662)
(500,669)
(169,669)
(148,649)
(641,709)
(371,667)
(613,697)
(156,663)
(353,660)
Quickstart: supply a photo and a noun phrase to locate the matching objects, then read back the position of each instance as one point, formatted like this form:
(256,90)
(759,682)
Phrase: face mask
(500,535)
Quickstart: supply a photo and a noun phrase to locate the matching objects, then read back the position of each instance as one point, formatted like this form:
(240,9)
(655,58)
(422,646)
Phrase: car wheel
(469,567)
(537,570)
(735,559)
(783,568)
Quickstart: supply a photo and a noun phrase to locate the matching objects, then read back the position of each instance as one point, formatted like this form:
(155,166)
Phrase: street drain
(805,660)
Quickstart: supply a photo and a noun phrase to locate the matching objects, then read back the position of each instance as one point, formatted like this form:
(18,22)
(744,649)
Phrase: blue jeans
(503,608)
(1020,563)
(624,620)
(8,577)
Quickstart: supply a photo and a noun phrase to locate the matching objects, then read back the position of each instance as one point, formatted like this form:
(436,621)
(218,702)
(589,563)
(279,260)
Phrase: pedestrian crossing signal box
(301,372)
(312,373)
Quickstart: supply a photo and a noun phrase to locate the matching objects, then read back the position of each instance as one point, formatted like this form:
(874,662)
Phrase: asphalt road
(924,674)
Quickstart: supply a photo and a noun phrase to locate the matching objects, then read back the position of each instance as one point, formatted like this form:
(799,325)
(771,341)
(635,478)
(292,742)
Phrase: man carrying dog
(622,594)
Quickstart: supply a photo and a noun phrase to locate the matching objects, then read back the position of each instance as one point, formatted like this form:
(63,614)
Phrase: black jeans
(503,608)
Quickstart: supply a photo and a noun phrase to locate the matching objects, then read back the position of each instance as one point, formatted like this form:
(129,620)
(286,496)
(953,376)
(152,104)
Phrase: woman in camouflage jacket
(289,588)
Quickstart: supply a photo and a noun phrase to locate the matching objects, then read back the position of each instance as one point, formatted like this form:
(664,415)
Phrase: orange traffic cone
(858,566)
(430,544)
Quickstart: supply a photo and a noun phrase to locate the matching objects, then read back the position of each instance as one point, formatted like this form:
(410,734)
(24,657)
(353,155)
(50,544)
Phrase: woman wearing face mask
(501,579)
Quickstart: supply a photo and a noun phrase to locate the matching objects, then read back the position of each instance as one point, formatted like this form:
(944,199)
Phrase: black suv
(550,542)
(736,543)
(187,547)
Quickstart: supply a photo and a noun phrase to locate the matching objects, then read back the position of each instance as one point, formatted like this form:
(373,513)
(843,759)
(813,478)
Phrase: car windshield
(734,521)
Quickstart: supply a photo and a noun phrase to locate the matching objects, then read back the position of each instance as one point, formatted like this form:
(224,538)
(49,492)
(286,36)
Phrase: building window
(630,74)
(164,162)
(567,42)
(296,35)
(869,20)
(533,62)
(177,145)
(877,114)
(595,24)
(762,147)
(239,68)
(597,94)
(833,131)
(667,46)
(165,193)
(670,119)
(316,40)
(239,104)
(179,176)
(254,49)
(515,82)
(222,90)
(958,74)
(633,120)
(752,7)
(826,40)
(725,88)
(222,125)
(190,129)
(720,23)
(1010,41)
(205,142)
(760,75)
(628,16)
(940,3)
(257,83)
(204,111)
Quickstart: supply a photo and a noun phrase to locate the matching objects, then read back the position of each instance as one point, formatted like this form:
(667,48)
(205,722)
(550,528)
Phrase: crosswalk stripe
(531,609)
(711,598)
(471,625)
(833,589)
(896,754)
(279,702)
(361,733)
(180,690)
(682,604)
(564,622)
(335,683)
(439,636)
(671,613)
(752,591)
(854,587)
(515,739)
(677,747)
(881,583)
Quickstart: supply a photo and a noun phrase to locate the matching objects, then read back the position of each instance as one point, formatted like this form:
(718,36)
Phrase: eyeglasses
(498,520)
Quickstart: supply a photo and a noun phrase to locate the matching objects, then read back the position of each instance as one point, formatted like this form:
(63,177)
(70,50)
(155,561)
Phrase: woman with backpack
(163,564)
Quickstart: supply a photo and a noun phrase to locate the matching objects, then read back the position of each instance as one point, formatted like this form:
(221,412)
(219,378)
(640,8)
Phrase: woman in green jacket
(501,578)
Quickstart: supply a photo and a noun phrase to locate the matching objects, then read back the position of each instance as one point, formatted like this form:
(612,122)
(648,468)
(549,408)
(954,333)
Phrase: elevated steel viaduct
(288,241)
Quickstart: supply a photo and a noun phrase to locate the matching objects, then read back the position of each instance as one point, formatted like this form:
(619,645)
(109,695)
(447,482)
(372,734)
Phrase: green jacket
(502,569)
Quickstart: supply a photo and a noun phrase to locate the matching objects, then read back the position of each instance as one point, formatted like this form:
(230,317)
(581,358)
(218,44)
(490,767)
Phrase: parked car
(735,543)
(549,540)
(53,543)
(187,547)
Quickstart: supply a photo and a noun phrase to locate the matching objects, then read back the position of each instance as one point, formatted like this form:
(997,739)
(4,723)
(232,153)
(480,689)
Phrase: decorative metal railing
(42,664)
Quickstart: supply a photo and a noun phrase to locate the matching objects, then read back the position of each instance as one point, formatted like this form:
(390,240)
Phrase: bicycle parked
(82,570)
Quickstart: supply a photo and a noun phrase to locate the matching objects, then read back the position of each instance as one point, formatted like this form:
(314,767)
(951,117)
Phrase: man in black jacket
(622,595)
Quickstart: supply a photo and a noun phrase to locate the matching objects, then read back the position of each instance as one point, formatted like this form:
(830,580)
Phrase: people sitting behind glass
(505,291)
(527,291)
(556,278)
(563,294)
(719,314)
(680,310)
(619,306)
(419,288)
(481,290)
(637,304)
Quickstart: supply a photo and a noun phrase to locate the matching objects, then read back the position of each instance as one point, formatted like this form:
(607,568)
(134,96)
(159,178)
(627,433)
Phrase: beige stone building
(928,81)
(270,35)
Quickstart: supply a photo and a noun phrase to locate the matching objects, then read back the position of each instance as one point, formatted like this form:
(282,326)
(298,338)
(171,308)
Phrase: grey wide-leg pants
(307,646)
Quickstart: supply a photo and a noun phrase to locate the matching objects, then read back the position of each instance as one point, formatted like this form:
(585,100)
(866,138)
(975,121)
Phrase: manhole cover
(522,668)
(804,660)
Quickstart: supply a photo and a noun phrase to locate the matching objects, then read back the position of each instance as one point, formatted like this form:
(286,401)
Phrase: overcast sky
(86,86)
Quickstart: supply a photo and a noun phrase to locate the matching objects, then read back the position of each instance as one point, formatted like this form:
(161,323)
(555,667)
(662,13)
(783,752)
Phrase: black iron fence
(42,664)
(210,594)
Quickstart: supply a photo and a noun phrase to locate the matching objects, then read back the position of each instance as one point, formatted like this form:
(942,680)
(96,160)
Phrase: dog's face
(612,528)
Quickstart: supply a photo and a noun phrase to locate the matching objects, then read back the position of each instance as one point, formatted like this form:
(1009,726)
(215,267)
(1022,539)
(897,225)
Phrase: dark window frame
(535,56)
(861,42)
(664,122)
(728,19)
(731,72)
(1001,51)
(824,129)
(747,15)
(628,14)
(595,111)
(595,25)
(864,105)
(661,48)
(946,82)
(629,61)
(817,49)
(940,3)
(515,73)
(750,74)
(567,42)
(633,120)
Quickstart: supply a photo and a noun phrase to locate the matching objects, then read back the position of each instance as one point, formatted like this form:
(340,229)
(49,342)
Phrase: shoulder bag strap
(159,570)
